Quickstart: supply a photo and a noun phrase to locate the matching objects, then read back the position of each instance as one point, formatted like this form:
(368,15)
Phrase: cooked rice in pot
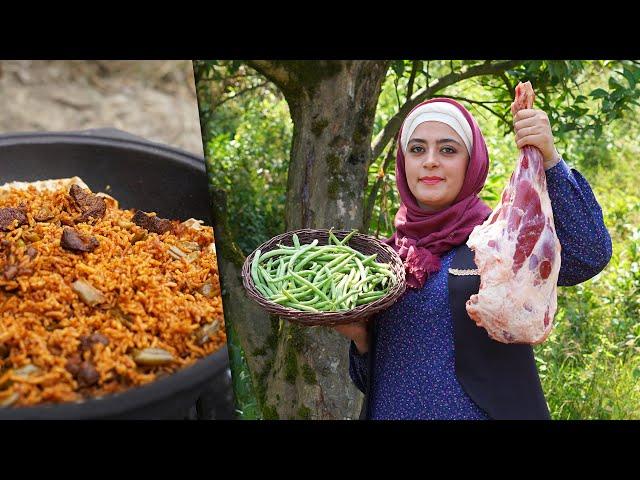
(75,325)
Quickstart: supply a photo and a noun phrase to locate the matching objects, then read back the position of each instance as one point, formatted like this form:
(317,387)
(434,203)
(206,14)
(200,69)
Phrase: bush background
(590,365)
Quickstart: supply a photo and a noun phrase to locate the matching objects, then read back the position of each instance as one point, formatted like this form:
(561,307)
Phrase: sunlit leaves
(589,365)
(247,138)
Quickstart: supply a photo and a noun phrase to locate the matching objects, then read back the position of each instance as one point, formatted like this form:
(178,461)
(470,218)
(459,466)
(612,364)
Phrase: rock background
(154,99)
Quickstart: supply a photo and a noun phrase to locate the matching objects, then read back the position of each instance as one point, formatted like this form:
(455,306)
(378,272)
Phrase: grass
(590,365)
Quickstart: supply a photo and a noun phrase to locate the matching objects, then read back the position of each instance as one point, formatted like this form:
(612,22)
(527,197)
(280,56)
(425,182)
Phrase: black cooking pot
(139,174)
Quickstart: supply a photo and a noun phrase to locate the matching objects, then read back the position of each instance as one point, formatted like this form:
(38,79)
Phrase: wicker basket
(363,243)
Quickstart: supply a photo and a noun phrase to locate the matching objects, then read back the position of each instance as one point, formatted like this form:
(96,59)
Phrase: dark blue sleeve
(358,366)
(585,241)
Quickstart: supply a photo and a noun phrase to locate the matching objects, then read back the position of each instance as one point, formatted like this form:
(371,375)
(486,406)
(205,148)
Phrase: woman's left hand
(532,127)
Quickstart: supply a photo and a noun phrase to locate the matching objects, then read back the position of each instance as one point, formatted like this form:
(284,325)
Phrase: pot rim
(134,398)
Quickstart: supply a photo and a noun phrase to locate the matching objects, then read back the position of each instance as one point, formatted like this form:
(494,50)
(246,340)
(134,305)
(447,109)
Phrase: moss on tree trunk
(333,106)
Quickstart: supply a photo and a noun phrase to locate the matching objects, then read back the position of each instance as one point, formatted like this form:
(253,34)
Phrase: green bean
(357,276)
(363,274)
(281,269)
(333,267)
(298,306)
(281,296)
(312,301)
(298,253)
(386,272)
(323,305)
(342,285)
(267,280)
(273,253)
(307,259)
(279,299)
(286,247)
(312,277)
(370,260)
(338,260)
(304,273)
(290,297)
(310,285)
(348,237)
(326,257)
(342,264)
(346,249)
(332,238)
(372,295)
(254,266)
(326,286)
(353,291)
(261,289)
(362,300)
(332,285)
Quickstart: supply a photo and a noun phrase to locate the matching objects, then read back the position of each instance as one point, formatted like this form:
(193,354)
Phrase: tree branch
(510,88)
(393,125)
(241,92)
(412,77)
(502,117)
(426,73)
(371,200)
(278,74)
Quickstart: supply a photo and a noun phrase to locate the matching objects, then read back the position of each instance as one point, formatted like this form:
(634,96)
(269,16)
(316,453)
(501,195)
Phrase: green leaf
(630,78)
(597,130)
(245,395)
(599,93)
(614,84)
(398,67)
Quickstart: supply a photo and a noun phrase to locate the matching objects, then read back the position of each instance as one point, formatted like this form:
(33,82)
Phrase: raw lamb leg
(518,253)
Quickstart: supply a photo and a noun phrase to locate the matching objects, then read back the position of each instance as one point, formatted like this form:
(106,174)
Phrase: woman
(424,358)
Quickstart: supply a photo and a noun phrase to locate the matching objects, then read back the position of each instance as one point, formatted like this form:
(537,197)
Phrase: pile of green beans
(320,278)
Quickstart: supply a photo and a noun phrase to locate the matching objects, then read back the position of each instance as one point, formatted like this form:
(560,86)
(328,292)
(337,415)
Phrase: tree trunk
(333,106)
(251,323)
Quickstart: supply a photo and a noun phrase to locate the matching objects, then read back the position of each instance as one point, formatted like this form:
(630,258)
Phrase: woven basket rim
(327,318)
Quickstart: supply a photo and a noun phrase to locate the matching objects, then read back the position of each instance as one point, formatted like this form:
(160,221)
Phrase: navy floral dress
(414,364)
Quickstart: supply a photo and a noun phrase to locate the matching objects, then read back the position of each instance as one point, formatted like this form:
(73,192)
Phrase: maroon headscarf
(422,237)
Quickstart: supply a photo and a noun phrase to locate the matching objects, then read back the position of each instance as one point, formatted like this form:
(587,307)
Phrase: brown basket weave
(363,243)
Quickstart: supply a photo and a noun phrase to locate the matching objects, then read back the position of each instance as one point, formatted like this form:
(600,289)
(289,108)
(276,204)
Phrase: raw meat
(518,253)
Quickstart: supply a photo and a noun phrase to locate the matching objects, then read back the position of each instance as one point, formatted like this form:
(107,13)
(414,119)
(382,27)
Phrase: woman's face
(435,164)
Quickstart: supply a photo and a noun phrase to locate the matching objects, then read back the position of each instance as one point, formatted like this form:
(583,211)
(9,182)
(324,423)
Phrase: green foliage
(582,99)
(246,400)
(590,365)
(247,139)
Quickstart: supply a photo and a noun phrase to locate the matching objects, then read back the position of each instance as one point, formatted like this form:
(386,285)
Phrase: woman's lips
(430,180)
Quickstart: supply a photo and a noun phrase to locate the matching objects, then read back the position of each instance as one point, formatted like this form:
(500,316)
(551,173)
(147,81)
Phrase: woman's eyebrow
(442,140)
(448,140)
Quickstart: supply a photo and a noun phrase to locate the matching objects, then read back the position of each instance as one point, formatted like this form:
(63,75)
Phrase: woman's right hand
(357,332)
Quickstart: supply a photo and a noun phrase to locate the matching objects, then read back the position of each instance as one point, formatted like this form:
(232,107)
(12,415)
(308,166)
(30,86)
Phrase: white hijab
(437,112)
